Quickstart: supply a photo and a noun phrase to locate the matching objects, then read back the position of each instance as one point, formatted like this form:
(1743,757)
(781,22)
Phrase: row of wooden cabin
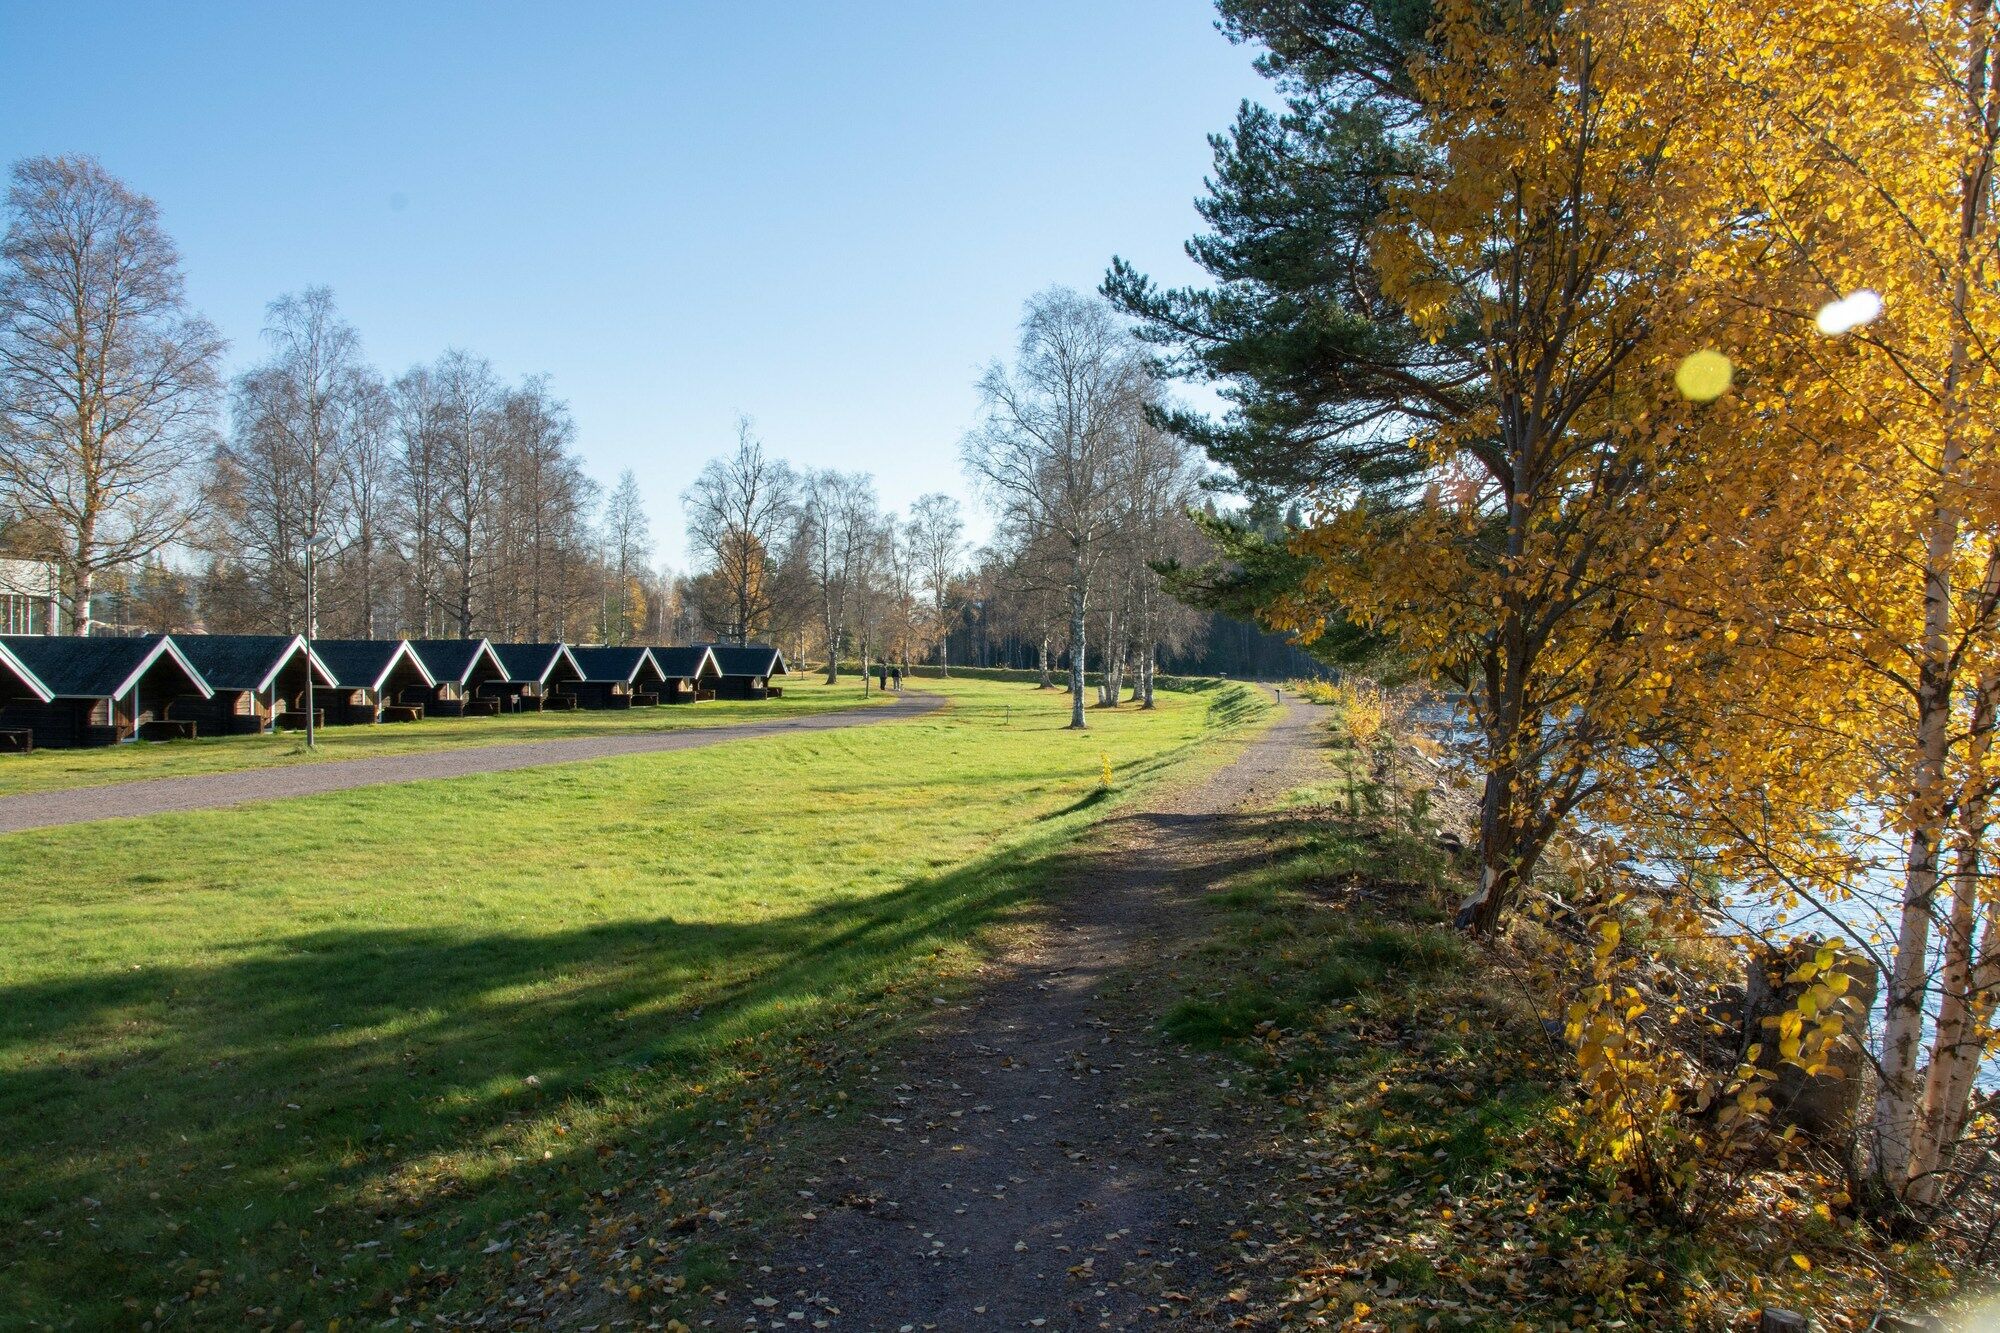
(59,692)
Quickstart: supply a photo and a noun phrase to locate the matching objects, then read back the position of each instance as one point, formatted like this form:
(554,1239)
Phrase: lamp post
(312,547)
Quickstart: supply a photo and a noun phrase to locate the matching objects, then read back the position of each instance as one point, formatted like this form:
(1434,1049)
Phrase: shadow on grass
(259,1114)
(291,1127)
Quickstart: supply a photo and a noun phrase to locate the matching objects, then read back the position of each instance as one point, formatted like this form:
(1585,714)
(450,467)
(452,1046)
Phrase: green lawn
(298,1059)
(48,769)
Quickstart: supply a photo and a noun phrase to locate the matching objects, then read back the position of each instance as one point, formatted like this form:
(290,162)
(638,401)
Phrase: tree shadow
(261,1113)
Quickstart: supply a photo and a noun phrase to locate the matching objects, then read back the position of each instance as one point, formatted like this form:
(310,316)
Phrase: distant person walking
(896,676)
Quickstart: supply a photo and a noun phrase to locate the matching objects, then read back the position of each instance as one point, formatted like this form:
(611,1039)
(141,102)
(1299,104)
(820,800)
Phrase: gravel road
(78,805)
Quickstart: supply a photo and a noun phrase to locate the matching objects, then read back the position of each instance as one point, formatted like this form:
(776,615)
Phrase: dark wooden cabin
(19,685)
(747,670)
(539,675)
(254,677)
(377,680)
(470,679)
(687,674)
(624,677)
(100,691)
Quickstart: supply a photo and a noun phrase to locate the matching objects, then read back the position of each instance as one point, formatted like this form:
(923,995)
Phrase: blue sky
(823,215)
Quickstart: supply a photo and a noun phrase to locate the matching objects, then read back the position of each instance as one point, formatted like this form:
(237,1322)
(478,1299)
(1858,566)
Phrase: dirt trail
(1012,1180)
(207,791)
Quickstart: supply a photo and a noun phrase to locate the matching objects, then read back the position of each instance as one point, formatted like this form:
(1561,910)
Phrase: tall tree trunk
(1898,1154)
(1076,648)
(1506,855)
(85,577)
(1046,682)
(1958,1041)
(1925,815)
(1146,676)
(367,540)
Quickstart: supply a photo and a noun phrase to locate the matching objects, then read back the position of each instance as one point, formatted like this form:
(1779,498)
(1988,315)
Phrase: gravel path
(207,791)
(1020,1173)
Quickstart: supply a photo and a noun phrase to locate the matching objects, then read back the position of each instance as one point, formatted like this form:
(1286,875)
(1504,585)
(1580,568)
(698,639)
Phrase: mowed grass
(301,1058)
(47,770)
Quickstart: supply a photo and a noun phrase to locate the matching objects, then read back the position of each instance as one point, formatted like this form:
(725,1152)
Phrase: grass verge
(298,1061)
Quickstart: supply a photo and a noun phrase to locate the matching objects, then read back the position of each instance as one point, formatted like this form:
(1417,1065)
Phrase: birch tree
(468,402)
(1051,426)
(838,516)
(936,533)
(108,381)
(628,544)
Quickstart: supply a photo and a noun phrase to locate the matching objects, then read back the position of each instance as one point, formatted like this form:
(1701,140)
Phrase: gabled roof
(246,661)
(750,659)
(685,663)
(363,664)
(73,668)
(454,659)
(622,663)
(533,661)
(21,672)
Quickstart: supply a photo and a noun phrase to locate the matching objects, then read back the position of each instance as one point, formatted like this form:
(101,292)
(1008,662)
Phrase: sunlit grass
(300,1056)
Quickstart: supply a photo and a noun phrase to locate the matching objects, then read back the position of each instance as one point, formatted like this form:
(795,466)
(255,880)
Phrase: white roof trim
(165,645)
(27,677)
(312,662)
(562,650)
(403,649)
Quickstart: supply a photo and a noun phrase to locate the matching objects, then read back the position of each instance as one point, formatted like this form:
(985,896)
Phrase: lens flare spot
(1850,312)
(1704,376)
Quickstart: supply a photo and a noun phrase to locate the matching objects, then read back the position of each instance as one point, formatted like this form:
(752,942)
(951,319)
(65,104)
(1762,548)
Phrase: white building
(28,603)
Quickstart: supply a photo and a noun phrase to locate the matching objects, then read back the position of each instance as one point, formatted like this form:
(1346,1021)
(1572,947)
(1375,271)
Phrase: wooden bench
(483,706)
(561,703)
(773,692)
(703,696)
(642,699)
(14,741)
(294,719)
(402,713)
(166,729)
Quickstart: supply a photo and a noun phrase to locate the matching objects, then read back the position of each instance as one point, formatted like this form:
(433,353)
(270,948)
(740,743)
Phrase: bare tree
(737,511)
(628,544)
(418,496)
(107,379)
(1052,427)
(542,511)
(367,463)
(872,596)
(838,516)
(936,535)
(469,423)
(306,405)
(258,496)
(1162,482)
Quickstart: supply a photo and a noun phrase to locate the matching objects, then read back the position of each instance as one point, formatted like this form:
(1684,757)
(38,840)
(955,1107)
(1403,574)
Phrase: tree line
(442,502)
(1091,500)
(1633,366)
(445,501)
